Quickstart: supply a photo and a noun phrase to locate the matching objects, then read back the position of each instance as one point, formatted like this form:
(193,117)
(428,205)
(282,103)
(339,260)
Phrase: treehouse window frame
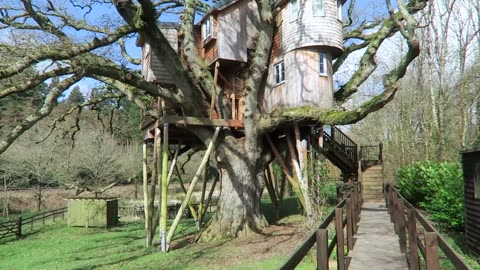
(293,8)
(322,64)
(279,73)
(318,8)
(207,29)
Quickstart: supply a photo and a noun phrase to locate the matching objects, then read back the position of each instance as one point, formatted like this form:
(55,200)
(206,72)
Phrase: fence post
(431,251)
(396,213)
(18,224)
(390,202)
(412,239)
(340,241)
(31,224)
(349,225)
(53,217)
(322,249)
(401,226)
(43,219)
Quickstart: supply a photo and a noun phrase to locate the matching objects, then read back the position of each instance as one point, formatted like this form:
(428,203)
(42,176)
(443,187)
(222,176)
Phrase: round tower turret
(309,36)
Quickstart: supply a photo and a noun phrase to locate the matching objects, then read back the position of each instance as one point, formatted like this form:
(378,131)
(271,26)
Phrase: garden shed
(471,174)
(92,212)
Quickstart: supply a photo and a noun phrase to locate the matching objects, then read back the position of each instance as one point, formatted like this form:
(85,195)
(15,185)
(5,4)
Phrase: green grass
(60,247)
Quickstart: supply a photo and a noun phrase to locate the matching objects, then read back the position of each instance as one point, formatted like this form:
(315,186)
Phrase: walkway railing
(413,238)
(350,206)
(15,228)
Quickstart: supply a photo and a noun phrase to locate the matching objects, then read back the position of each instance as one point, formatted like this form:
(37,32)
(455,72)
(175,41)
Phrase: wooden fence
(16,228)
(414,238)
(346,214)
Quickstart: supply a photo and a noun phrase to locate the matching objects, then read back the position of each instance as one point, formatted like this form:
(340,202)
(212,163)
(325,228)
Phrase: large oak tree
(68,42)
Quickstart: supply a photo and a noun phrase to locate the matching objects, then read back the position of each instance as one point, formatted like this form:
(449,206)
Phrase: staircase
(344,153)
(373,183)
(340,150)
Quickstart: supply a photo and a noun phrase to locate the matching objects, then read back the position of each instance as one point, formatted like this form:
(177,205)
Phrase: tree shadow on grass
(289,206)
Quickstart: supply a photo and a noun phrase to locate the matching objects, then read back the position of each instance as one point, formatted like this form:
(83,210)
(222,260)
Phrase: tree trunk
(242,182)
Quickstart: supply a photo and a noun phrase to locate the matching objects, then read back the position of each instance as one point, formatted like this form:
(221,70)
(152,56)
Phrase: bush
(436,187)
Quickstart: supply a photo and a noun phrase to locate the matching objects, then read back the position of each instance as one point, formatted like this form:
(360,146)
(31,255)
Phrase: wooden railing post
(412,240)
(401,226)
(349,225)
(431,251)
(18,224)
(396,212)
(340,241)
(354,212)
(322,249)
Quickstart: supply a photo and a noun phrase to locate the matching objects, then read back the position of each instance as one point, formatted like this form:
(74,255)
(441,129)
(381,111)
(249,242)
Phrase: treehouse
(307,37)
(471,175)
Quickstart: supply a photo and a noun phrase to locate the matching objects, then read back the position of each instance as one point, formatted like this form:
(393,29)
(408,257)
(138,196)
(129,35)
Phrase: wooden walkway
(376,245)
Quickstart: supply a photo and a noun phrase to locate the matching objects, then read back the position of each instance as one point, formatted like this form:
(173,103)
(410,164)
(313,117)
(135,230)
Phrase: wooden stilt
(145,189)
(173,164)
(164,189)
(209,199)
(271,191)
(153,185)
(293,182)
(182,186)
(297,169)
(202,196)
(192,186)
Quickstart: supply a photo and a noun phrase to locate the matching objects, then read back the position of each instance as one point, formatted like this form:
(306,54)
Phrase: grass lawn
(57,246)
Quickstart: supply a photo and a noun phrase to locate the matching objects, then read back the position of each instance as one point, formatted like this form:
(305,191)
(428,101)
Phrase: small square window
(318,9)
(293,10)
(339,10)
(279,72)
(322,64)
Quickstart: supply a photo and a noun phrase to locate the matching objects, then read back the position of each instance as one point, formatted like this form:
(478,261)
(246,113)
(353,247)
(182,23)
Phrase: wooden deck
(376,245)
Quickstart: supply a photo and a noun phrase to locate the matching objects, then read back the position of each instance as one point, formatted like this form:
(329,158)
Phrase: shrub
(436,187)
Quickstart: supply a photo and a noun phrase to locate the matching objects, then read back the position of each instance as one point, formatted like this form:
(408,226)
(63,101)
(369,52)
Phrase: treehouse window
(318,9)
(279,72)
(322,61)
(293,10)
(207,28)
(339,10)
(476,181)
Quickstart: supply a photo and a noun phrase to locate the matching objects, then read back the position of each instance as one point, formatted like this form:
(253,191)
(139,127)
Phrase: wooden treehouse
(307,38)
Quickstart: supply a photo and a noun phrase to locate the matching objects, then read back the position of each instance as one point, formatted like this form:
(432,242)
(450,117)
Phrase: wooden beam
(200,121)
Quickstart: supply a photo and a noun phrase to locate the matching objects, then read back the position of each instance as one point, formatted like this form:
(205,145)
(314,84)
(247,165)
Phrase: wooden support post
(164,191)
(195,215)
(145,184)
(412,240)
(395,213)
(18,224)
(340,240)
(322,249)
(173,164)
(431,251)
(273,180)
(401,227)
(192,186)
(349,225)
(202,197)
(298,172)
(209,199)
(270,189)
(354,212)
(293,182)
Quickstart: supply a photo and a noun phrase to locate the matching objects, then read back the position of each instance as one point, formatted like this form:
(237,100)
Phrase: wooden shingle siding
(309,30)
(303,85)
(153,69)
(472,204)
(232,32)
